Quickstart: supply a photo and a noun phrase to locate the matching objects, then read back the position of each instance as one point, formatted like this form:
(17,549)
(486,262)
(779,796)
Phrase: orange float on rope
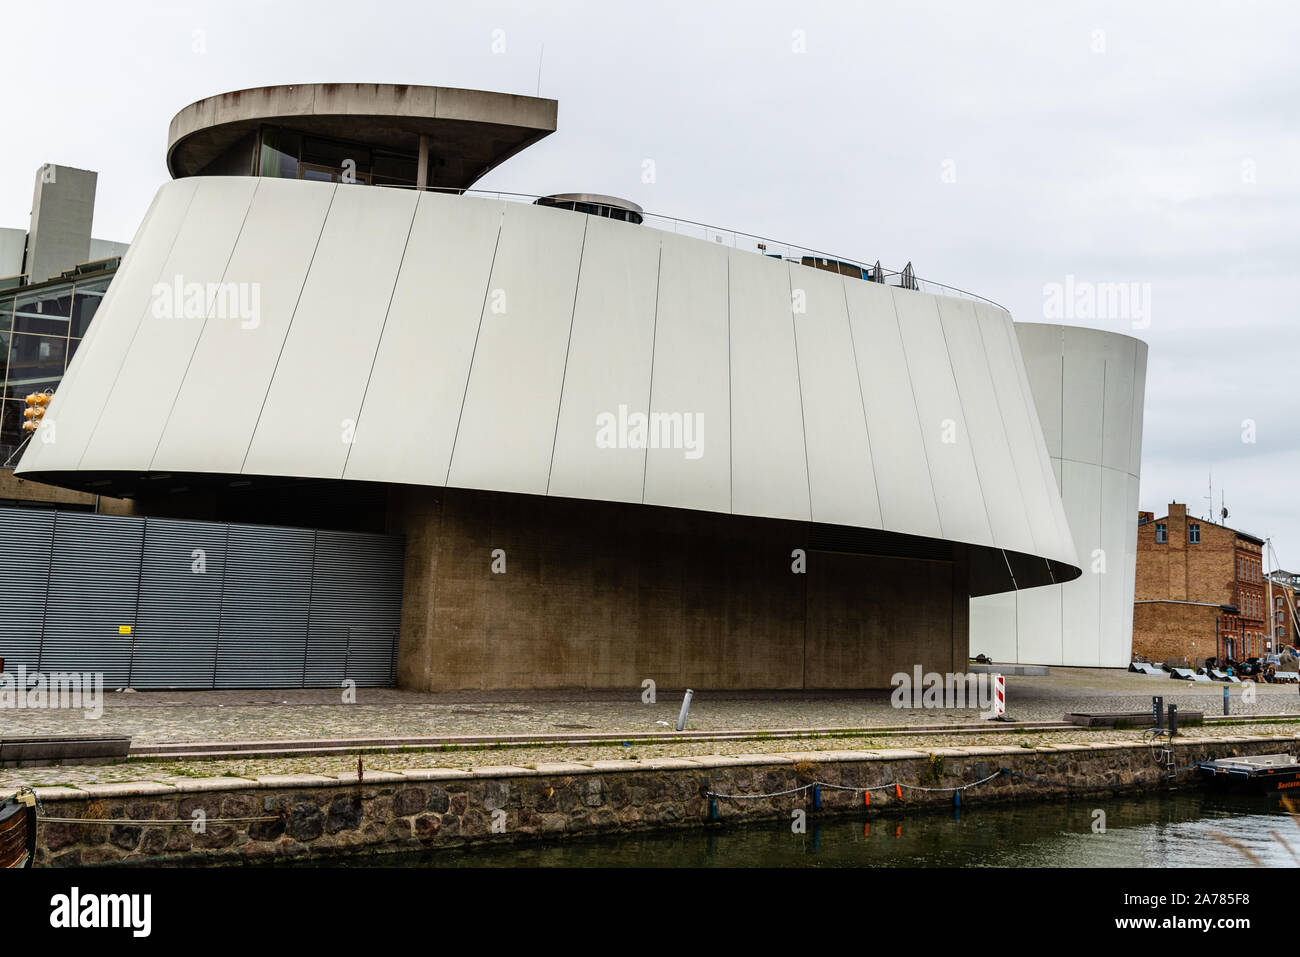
(898,791)
(866,799)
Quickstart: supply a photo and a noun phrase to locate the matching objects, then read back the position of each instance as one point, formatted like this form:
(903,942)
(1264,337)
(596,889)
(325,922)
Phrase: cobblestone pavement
(1288,734)
(152,717)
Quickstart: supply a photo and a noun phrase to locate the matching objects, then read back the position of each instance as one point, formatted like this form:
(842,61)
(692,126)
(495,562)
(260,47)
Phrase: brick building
(1200,590)
(1286,630)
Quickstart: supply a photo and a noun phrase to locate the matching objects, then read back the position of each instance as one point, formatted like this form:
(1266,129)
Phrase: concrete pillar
(422,174)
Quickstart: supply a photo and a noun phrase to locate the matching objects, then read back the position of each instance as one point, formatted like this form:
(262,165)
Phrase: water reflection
(1175,830)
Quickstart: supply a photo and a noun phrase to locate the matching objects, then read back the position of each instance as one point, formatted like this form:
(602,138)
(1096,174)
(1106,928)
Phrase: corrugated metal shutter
(94,584)
(357,582)
(273,607)
(180,608)
(25,539)
(264,609)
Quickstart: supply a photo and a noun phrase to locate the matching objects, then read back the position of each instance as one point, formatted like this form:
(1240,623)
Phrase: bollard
(686,709)
(1227,709)
(1158,710)
(1173,720)
(999,696)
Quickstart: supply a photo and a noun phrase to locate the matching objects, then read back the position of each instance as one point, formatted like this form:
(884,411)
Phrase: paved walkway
(155,717)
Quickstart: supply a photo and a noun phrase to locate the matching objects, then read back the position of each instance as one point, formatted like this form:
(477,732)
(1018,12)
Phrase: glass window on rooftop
(1193,533)
(1162,533)
(85,301)
(46,312)
(392,169)
(280,149)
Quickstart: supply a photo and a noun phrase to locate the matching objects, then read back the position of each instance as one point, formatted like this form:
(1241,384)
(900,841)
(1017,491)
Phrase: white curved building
(1088,387)
(842,462)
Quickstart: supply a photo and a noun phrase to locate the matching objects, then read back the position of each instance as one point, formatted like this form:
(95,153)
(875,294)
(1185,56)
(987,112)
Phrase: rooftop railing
(871,272)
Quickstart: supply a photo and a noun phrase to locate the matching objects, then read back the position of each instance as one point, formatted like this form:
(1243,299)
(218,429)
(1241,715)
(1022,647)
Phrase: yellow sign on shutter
(124,629)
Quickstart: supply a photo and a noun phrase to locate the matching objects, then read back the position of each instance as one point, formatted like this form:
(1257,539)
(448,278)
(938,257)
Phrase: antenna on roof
(1209,516)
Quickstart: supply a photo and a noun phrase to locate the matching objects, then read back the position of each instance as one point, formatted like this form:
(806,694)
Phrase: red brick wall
(1174,634)
(1221,569)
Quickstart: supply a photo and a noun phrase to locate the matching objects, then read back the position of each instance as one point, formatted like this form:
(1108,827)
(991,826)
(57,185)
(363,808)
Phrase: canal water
(1181,829)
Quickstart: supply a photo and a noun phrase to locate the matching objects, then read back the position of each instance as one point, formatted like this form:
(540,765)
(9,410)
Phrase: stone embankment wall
(293,816)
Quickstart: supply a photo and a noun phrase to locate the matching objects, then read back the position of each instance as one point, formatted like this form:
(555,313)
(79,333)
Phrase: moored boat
(1269,773)
(18,830)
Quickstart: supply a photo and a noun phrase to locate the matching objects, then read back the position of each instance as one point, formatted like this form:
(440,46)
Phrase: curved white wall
(1089,388)
(473,343)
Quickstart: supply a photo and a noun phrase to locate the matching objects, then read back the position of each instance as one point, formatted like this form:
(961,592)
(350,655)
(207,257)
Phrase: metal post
(1227,709)
(1173,720)
(686,709)
(1158,710)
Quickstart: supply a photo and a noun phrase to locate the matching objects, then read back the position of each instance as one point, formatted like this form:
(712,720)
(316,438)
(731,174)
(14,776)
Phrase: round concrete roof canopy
(470,131)
(595,199)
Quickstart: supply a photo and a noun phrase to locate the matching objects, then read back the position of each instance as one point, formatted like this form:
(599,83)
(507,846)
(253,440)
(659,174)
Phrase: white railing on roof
(757,244)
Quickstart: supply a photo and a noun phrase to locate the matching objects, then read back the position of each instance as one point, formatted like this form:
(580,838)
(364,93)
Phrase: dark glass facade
(41,327)
(286,154)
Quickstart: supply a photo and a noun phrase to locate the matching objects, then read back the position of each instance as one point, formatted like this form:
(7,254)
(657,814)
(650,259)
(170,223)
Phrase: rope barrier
(948,790)
(844,787)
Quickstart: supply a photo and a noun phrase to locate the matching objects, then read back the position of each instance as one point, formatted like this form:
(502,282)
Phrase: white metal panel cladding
(768,458)
(428,341)
(1088,387)
(275,247)
(165,337)
(691,374)
(208,604)
(106,345)
(841,475)
(466,356)
(315,394)
(907,499)
(609,364)
(506,434)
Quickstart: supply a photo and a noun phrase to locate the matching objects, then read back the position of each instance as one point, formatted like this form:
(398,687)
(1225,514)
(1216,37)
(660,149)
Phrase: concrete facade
(603,595)
(466,132)
(22,492)
(63,209)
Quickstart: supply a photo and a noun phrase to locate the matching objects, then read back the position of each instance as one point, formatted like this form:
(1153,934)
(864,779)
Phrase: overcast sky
(999,147)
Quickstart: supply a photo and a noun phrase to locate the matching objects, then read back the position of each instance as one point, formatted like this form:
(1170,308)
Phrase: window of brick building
(1194,533)
(1162,533)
